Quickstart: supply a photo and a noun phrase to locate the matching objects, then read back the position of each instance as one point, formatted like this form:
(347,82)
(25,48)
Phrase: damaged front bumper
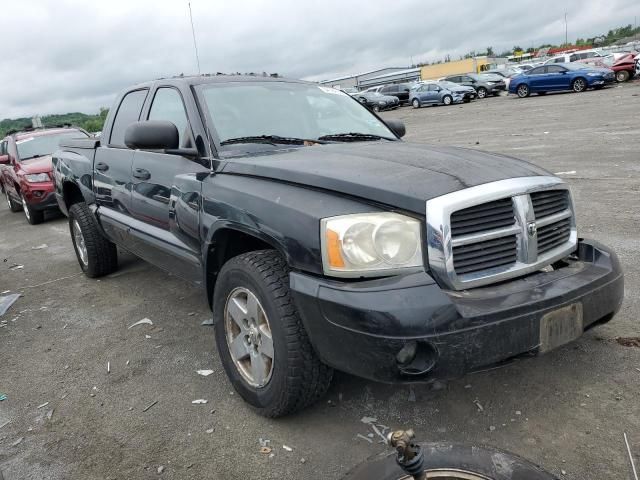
(407,328)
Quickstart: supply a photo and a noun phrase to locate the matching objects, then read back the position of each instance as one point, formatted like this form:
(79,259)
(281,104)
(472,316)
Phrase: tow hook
(409,454)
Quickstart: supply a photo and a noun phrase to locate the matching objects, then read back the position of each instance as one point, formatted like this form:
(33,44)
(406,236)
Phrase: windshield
(287,110)
(575,66)
(37,146)
(448,84)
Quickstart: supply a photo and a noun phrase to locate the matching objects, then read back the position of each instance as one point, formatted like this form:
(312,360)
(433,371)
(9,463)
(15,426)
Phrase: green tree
(490,52)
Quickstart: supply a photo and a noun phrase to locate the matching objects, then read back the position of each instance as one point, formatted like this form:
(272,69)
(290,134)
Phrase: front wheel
(96,255)
(447,100)
(415,103)
(376,108)
(623,76)
(34,217)
(482,92)
(450,461)
(523,91)
(579,85)
(261,340)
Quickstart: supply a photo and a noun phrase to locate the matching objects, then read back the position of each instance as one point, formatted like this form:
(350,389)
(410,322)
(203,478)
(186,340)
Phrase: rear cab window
(128,112)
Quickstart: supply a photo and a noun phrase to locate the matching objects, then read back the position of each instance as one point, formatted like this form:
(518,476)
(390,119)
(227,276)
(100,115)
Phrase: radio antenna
(193,32)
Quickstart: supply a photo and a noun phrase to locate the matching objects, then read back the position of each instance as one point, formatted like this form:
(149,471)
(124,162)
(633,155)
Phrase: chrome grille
(499,230)
(554,234)
(482,217)
(484,255)
(549,202)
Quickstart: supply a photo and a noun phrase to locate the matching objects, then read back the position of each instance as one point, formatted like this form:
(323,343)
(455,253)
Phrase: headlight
(594,74)
(382,103)
(36,177)
(370,244)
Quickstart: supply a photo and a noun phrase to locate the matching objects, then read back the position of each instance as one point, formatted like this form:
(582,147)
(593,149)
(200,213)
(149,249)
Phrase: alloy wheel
(81,247)
(523,91)
(25,207)
(249,337)
(578,85)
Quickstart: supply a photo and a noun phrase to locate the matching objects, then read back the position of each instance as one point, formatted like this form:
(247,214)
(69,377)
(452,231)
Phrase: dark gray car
(485,84)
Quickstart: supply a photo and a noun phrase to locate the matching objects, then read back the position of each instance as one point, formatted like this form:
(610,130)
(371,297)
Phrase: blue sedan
(560,76)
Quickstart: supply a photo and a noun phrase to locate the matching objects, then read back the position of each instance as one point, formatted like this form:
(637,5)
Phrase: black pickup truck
(322,240)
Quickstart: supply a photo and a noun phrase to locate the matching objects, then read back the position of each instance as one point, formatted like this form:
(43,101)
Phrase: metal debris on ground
(5,292)
(108,367)
(6,301)
(15,266)
(3,396)
(43,405)
(208,322)
(265,450)
(491,428)
(144,321)
(633,464)
(49,414)
(5,423)
(479,405)
(264,442)
(288,449)
(147,336)
(368,420)
(17,442)
(191,314)
(149,406)
(364,438)
(570,172)
(209,430)
(200,401)
(303,460)
(160,469)
(40,247)
(204,373)
(412,395)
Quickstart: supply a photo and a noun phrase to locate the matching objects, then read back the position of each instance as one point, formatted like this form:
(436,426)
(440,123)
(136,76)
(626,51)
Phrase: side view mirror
(397,127)
(4,159)
(152,135)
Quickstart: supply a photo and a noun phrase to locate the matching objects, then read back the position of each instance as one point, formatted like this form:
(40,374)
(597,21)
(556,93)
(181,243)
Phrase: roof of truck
(220,78)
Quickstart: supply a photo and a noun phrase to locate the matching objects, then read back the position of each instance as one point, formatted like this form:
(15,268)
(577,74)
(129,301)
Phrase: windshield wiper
(353,137)
(32,156)
(272,139)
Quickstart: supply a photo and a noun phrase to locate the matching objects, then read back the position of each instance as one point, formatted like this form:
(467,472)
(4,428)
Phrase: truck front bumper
(407,328)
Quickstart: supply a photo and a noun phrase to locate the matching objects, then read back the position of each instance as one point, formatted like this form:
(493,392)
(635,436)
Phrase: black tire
(101,254)
(34,217)
(13,206)
(298,378)
(482,92)
(376,108)
(415,103)
(523,90)
(447,99)
(486,462)
(622,76)
(579,85)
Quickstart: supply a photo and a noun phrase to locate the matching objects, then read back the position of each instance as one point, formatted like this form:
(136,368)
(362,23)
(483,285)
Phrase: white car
(573,56)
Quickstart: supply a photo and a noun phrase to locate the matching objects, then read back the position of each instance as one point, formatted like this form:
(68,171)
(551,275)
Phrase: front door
(557,77)
(166,196)
(112,171)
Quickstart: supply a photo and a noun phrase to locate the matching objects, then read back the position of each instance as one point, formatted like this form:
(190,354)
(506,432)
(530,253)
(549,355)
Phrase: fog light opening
(416,358)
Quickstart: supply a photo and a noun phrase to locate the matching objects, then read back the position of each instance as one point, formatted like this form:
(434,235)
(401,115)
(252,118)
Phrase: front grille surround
(462,255)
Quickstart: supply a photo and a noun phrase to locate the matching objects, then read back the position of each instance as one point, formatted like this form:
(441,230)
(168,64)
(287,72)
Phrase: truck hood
(37,165)
(399,174)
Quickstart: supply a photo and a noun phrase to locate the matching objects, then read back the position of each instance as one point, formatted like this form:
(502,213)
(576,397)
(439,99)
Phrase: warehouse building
(357,79)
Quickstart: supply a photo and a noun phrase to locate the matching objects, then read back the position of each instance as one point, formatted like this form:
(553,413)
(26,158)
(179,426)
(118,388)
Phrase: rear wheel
(579,85)
(96,255)
(447,461)
(34,217)
(623,76)
(523,90)
(482,92)
(415,103)
(447,100)
(261,341)
(13,206)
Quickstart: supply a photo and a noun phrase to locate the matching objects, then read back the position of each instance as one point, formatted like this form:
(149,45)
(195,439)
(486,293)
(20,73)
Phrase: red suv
(26,171)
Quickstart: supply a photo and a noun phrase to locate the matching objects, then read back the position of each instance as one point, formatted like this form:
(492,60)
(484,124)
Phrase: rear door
(112,170)
(166,196)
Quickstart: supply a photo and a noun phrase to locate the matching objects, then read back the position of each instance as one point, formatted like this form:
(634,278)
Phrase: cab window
(128,113)
(167,105)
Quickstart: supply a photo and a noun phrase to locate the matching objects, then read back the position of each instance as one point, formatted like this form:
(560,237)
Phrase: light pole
(566,35)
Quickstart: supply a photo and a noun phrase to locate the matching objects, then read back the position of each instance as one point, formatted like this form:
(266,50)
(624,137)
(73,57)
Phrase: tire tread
(103,255)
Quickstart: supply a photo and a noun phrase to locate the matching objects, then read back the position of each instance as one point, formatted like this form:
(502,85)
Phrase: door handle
(141,173)
(103,167)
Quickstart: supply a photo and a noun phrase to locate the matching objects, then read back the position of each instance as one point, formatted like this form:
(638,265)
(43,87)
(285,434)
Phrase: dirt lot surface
(70,419)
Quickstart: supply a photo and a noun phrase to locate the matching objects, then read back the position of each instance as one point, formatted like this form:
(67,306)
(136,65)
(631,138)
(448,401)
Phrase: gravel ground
(566,411)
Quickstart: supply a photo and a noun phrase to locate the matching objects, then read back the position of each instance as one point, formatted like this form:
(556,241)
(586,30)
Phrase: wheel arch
(231,240)
(71,194)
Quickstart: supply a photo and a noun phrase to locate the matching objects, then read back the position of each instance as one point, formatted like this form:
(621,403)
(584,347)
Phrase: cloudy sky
(66,55)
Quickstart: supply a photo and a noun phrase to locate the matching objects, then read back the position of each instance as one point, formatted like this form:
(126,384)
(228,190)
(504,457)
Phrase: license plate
(561,326)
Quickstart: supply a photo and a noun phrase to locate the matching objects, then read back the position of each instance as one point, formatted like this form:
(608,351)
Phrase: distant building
(357,79)
(398,76)
(468,65)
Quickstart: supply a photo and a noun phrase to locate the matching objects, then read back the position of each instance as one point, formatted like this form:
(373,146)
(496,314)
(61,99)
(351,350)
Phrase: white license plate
(561,326)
